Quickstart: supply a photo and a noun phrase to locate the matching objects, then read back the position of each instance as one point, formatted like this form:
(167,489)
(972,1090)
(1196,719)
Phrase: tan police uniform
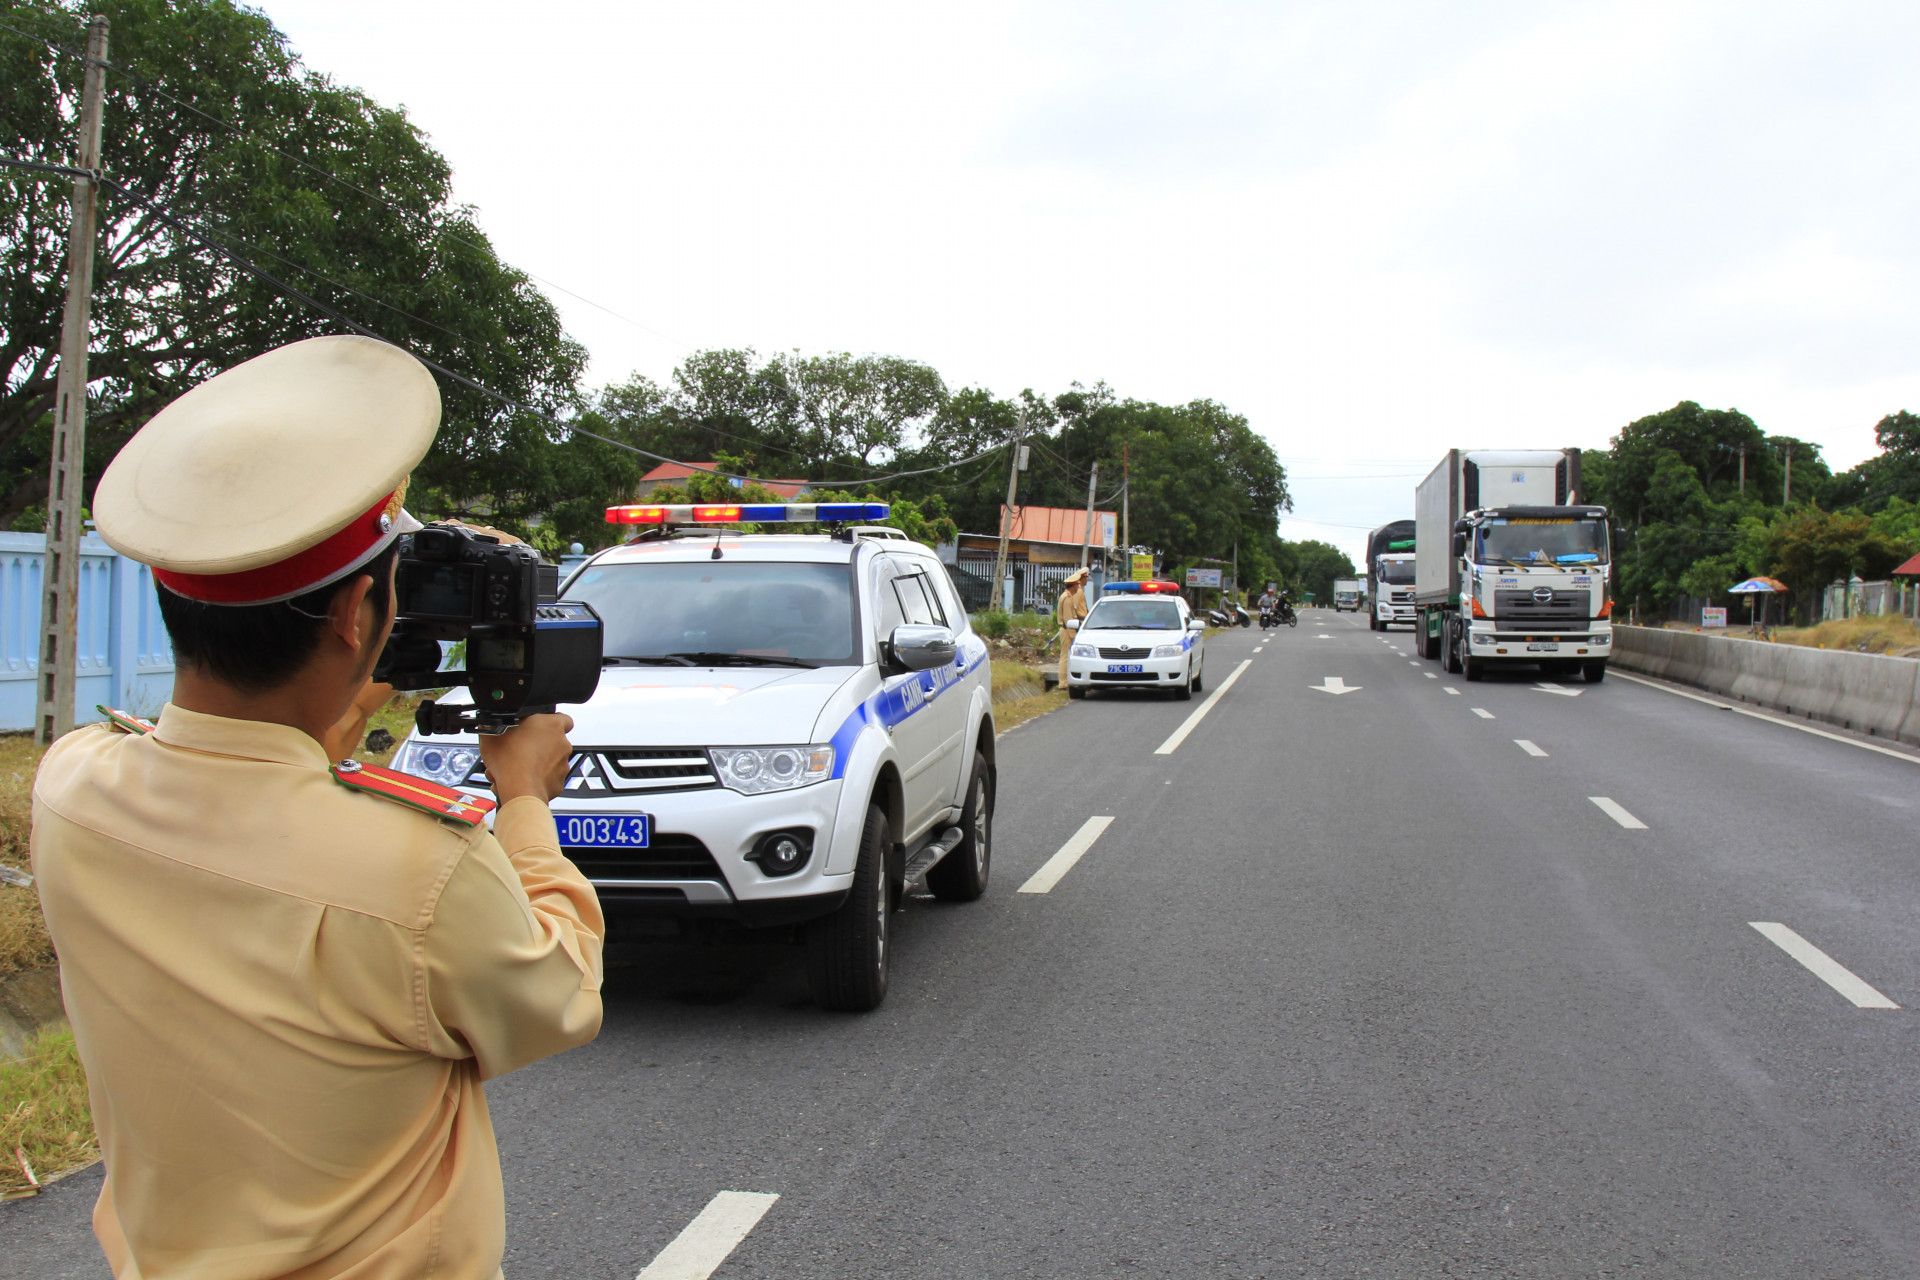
(288,980)
(1072,607)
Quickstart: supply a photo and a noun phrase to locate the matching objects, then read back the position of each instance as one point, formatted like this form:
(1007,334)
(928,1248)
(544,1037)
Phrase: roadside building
(1043,547)
(677,472)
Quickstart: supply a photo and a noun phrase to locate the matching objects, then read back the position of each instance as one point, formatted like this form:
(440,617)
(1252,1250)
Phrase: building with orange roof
(675,472)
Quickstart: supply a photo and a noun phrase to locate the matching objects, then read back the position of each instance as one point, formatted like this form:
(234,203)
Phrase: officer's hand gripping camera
(523,657)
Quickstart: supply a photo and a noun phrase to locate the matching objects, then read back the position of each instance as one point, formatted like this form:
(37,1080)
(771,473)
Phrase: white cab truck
(1349,594)
(1511,569)
(1390,570)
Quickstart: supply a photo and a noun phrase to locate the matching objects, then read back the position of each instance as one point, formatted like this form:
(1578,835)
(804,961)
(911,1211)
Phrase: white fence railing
(124,658)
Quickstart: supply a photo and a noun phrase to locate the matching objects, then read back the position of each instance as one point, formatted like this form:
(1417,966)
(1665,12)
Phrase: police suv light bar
(1145,588)
(748,513)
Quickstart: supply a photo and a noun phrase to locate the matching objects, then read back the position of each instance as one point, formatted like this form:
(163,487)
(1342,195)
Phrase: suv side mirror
(920,648)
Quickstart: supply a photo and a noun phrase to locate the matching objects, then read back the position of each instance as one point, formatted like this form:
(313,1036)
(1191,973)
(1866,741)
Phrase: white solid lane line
(1823,966)
(1528,747)
(697,1252)
(1483,713)
(1770,719)
(1071,852)
(1179,735)
(1618,814)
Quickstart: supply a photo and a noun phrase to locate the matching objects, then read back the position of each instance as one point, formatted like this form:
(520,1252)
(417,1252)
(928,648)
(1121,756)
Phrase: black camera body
(523,656)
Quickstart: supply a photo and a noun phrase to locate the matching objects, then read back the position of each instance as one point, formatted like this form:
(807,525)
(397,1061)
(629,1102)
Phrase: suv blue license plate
(605,831)
(1124,669)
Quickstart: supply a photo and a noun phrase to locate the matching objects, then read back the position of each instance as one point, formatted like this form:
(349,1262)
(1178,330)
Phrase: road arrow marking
(1335,685)
(697,1252)
(1547,686)
(1823,966)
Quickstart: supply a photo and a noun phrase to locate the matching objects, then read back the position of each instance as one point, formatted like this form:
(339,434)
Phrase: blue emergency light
(748,513)
(1144,588)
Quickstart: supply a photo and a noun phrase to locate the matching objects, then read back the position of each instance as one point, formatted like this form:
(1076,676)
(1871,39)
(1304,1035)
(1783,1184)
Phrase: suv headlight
(751,770)
(1167,651)
(445,763)
(1083,651)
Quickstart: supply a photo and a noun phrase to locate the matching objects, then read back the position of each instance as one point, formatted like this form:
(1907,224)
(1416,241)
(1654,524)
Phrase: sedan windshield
(723,612)
(1134,615)
(1528,541)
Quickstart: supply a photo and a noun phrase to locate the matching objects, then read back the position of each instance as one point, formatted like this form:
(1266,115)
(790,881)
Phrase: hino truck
(1349,593)
(1510,567)
(1390,573)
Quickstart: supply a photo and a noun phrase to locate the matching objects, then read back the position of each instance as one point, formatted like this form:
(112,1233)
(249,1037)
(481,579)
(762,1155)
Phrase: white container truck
(1510,567)
(1390,572)
(1349,594)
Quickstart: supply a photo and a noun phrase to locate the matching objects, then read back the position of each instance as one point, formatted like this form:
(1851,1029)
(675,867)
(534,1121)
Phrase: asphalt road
(1352,984)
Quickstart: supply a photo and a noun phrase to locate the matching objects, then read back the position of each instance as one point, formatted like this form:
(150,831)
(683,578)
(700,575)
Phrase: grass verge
(1885,633)
(1019,695)
(44,1121)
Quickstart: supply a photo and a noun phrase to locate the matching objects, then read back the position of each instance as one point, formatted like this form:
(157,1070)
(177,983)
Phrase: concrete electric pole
(1006,513)
(1087,537)
(60,604)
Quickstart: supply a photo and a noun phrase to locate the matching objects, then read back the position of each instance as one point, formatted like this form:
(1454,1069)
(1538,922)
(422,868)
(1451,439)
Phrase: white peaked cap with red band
(277,477)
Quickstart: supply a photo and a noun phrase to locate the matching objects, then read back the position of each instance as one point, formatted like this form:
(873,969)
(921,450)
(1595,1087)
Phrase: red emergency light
(1144,588)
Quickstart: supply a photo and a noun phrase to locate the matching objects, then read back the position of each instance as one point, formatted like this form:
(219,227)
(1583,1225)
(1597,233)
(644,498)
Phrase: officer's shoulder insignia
(417,793)
(121,722)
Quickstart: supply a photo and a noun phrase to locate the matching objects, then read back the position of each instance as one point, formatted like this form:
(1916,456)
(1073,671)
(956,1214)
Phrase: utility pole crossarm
(66,484)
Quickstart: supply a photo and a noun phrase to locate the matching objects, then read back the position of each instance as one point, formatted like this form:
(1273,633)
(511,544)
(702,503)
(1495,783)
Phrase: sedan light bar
(1145,588)
(748,513)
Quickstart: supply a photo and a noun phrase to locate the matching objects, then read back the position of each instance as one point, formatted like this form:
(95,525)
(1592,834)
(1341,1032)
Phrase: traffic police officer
(288,977)
(1071,609)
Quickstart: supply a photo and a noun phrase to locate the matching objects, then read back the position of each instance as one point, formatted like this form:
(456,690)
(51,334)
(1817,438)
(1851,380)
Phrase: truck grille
(1520,610)
(614,773)
(1400,597)
(669,857)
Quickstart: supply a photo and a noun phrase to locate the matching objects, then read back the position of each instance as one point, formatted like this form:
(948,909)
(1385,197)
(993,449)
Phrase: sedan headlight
(1167,651)
(445,763)
(751,770)
(1084,651)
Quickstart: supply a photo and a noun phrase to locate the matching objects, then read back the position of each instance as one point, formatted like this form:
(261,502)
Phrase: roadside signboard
(1142,567)
(1712,617)
(1203,578)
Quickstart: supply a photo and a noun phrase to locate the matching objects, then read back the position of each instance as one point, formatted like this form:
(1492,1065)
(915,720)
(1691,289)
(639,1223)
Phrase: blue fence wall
(125,660)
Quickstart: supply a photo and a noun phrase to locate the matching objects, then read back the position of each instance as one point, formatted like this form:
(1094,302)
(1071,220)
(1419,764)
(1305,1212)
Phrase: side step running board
(922,862)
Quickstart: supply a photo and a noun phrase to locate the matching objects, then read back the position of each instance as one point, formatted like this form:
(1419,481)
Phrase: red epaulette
(428,797)
(121,722)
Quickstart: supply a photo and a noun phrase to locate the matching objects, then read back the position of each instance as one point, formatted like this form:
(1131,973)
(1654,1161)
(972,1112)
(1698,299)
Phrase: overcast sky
(1377,230)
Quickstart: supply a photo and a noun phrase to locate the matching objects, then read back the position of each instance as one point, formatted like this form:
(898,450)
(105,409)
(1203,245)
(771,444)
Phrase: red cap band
(298,574)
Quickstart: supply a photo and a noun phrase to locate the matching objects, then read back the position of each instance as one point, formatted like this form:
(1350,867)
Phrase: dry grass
(23,934)
(1019,695)
(43,1113)
(1885,633)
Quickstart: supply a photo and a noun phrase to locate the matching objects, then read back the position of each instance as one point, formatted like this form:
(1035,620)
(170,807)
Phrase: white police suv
(1140,635)
(789,730)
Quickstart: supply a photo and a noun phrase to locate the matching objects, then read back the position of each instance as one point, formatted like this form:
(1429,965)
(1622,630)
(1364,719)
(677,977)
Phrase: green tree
(169,312)
(1315,565)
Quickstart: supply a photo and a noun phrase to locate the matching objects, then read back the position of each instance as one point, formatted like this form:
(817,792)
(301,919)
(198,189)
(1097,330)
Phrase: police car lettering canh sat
(791,730)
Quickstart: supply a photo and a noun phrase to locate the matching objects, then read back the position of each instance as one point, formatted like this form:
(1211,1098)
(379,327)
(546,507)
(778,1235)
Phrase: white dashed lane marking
(1453,691)
(1528,747)
(1071,852)
(1823,966)
(1618,814)
(1483,713)
(1432,676)
(697,1252)
(1192,722)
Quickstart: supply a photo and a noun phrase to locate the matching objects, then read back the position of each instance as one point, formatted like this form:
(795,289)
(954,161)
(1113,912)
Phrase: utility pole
(1743,468)
(60,603)
(1087,537)
(1126,512)
(1006,513)
(1786,492)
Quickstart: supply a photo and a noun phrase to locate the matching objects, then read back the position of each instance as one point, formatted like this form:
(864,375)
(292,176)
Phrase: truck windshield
(1396,572)
(795,612)
(1134,615)
(1531,540)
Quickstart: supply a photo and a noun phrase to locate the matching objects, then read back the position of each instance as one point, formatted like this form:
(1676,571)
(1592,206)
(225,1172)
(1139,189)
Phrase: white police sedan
(1140,635)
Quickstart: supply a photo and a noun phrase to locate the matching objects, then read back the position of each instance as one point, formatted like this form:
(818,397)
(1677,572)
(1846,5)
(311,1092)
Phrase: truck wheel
(1594,672)
(961,876)
(1450,646)
(1373,622)
(847,951)
(1429,643)
(1471,669)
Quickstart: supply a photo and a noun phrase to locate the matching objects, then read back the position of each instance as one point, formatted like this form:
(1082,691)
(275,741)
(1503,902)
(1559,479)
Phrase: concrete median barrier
(1863,691)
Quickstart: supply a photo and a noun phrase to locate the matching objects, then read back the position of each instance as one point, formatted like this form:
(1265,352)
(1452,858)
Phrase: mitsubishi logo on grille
(586,775)
(1543,595)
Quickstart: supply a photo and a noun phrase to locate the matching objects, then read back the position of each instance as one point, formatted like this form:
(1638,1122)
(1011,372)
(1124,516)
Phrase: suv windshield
(1134,615)
(1531,540)
(715,610)
(1396,572)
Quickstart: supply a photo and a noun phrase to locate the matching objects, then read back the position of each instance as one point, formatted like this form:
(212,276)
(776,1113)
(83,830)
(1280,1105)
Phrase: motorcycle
(1239,617)
(1280,614)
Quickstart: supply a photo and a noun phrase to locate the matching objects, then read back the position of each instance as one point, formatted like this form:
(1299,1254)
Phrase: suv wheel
(847,951)
(961,876)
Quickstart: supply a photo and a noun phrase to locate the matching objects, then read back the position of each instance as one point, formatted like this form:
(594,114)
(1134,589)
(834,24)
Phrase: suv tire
(961,876)
(848,951)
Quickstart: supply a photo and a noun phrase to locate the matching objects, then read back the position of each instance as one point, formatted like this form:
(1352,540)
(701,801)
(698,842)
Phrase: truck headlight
(1167,651)
(1084,651)
(445,763)
(751,770)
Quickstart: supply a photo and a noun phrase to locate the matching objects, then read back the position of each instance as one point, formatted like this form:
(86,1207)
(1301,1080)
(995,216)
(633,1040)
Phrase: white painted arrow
(1335,685)
(1547,686)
